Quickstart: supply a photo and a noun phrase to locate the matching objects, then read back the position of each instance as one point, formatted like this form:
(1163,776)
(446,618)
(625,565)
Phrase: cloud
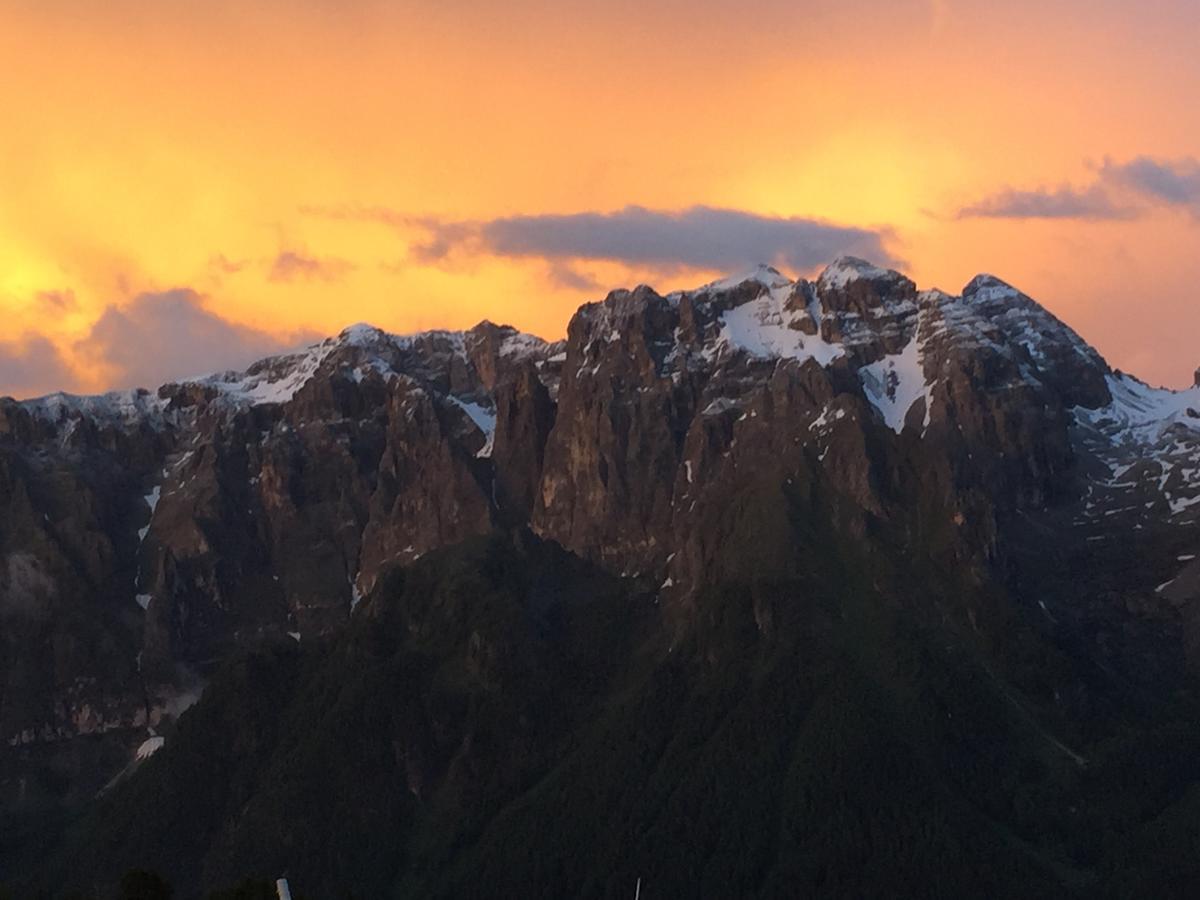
(700,237)
(32,366)
(1174,183)
(160,337)
(56,302)
(220,264)
(1043,203)
(444,238)
(564,275)
(291,265)
(1118,191)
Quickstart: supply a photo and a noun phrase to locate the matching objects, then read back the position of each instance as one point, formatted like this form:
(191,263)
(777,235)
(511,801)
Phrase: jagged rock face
(867,308)
(673,408)
(709,436)
(146,536)
(525,415)
(69,635)
(277,517)
(613,453)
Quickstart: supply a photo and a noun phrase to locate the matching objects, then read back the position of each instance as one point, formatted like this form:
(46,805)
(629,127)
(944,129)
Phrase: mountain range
(768,588)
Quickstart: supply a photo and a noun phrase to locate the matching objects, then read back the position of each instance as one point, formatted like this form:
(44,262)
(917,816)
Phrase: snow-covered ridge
(985,288)
(115,407)
(274,380)
(1023,319)
(359,349)
(1150,440)
(883,334)
(761,314)
(278,379)
(767,276)
(1142,414)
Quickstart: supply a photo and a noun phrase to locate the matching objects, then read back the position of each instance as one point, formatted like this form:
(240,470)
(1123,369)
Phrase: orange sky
(284,161)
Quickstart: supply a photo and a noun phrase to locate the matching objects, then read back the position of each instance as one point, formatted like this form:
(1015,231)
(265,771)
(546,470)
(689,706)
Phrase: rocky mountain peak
(763,275)
(362,334)
(985,288)
(845,270)
(1041,346)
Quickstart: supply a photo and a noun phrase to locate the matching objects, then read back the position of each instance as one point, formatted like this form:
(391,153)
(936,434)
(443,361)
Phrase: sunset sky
(185,185)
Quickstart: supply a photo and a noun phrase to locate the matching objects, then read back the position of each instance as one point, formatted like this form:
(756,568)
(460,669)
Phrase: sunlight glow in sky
(252,175)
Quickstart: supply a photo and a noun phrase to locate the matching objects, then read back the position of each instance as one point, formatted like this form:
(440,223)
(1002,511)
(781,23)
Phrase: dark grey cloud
(700,237)
(291,265)
(1118,191)
(160,337)
(32,366)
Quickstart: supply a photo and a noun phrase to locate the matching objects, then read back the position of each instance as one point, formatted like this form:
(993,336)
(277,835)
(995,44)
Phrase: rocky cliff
(687,440)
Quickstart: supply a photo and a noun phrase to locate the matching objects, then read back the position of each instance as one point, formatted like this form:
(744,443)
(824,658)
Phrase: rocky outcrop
(525,415)
(612,456)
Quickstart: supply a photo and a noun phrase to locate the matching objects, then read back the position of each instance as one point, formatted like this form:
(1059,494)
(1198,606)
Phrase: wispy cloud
(1117,191)
(565,275)
(292,265)
(56,302)
(223,265)
(1063,202)
(1171,182)
(700,237)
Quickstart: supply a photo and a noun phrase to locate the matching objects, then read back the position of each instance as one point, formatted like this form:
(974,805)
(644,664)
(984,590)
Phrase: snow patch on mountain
(1150,440)
(484,419)
(150,746)
(765,329)
(895,383)
(151,500)
(1140,413)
